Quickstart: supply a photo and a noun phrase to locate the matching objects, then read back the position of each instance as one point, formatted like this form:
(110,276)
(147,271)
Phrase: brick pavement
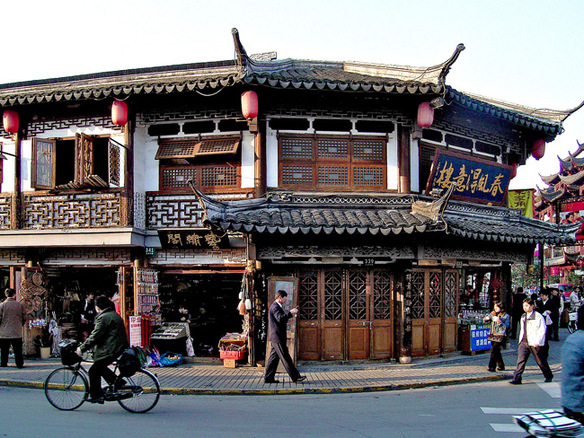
(210,377)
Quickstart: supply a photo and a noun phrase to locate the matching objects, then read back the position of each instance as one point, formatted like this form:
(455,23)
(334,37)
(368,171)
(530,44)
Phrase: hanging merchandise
(244,296)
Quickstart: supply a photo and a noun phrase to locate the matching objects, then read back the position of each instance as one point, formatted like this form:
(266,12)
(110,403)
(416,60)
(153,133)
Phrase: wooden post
(403,148)
(16,222)
(127,213)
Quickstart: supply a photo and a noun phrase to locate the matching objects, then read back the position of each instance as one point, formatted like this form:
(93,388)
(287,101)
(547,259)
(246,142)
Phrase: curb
(286,391)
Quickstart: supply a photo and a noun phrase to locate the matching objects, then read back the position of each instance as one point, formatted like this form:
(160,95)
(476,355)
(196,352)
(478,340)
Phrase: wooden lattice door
(308,316)
(359,316)
(382,323)
(333,328)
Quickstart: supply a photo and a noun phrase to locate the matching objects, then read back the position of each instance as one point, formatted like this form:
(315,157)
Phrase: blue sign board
(476,180)
(478,337)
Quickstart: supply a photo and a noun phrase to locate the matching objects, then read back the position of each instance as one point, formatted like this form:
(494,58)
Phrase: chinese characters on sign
(521,200)
(476,180)
(478,337)
(183,239)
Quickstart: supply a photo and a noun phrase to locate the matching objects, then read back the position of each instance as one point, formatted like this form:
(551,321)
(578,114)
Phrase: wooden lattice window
(332,162)
(219,176)
(84,162)
(308,295)
(434,289)
(418,294)
(357,295)
(193,147)
(333,296)
(450,293)
(177,177)
(382,286)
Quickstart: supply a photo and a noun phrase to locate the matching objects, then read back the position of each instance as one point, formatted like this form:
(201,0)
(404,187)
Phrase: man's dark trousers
(279,352)
(523,352)
(5,344)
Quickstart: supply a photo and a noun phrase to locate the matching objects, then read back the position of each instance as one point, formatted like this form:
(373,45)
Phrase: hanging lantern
(119,113)
(538,149)
(249,105)
(425,115)
(10,121)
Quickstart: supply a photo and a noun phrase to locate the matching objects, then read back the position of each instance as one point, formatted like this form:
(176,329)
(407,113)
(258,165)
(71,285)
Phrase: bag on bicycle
(129,362)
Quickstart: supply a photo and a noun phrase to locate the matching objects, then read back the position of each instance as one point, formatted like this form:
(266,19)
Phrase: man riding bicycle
(108,340)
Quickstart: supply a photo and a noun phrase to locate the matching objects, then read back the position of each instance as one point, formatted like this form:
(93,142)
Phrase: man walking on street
(12,318)
(532,339)
(277,322)
(517,310)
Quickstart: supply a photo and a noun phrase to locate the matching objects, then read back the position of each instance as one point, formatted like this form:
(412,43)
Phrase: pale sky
(528,52)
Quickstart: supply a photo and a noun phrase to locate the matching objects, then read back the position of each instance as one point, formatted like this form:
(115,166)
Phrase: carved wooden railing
(178,210)
(42,210)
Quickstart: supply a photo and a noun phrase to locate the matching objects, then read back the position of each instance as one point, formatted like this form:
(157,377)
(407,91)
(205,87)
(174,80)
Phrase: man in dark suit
(277,320)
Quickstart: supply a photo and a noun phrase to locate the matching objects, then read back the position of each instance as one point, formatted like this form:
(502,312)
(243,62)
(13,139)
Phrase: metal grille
(177,177)
(308,295)
(434,294)
(299,148)
(357,295)
(370,150)
(219,176)
(418,297)
(382,286)
(336,149)
(297,175)
(368,176)
(450,293)
(333,295)
(333,176)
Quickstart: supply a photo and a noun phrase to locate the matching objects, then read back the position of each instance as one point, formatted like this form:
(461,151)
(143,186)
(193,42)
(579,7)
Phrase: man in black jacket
(277,322)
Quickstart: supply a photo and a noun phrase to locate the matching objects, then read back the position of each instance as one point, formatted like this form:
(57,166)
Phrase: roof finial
(239,50)
(448,63)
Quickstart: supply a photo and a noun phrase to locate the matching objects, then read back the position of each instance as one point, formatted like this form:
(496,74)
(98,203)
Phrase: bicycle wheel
(141,392)
(66,388)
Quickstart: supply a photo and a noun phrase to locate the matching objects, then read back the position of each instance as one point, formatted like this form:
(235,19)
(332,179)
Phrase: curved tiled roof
(379,214)
(547,121)
(168,79)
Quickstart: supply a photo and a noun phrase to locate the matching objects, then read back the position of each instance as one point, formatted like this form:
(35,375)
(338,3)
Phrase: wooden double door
(434,310)
(345,314)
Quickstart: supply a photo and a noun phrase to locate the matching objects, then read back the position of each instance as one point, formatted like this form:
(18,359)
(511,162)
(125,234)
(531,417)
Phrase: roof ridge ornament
(434,209)
(242,58)
(448,63)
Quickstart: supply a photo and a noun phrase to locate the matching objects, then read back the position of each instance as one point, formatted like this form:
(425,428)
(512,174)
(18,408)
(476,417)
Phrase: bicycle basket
(68,355)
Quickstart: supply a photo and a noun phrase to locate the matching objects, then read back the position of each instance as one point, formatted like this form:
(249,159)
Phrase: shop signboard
(135,323)
(192,239)
(476,180)
(478,337)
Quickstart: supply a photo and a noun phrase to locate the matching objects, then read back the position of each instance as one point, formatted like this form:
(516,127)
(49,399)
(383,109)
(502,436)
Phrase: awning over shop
(355,213)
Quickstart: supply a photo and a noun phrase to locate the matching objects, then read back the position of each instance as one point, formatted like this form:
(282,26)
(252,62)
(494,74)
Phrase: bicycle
(67,388)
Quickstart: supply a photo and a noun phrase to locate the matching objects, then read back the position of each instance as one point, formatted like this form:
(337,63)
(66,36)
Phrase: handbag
(496,338)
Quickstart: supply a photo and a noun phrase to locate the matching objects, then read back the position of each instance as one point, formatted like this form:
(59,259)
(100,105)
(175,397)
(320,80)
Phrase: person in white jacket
(532,339)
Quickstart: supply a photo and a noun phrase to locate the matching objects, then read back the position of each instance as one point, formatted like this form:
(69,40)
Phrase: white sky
(524,51)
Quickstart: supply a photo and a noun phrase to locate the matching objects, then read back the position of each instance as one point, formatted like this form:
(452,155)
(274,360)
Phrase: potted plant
(44,342)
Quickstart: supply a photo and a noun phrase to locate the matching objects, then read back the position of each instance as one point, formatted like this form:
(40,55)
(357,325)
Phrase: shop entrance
(345,314)
(211,303)
(434,301)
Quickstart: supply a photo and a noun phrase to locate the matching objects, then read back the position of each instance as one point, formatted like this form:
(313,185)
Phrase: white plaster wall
(271,158)
(145,165)
(392,163)
(247,160)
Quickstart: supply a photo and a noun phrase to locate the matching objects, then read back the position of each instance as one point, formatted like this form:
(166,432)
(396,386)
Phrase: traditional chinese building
(562,202)
(372,193)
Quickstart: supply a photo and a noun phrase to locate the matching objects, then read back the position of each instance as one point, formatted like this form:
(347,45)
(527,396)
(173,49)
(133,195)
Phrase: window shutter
(83,157)
(114,164)
(43,163)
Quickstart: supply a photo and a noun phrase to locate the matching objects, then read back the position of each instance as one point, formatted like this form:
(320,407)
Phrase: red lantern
(538,149)
(249,105)
(425,115)
(119,113)
(10,121)
(513,171)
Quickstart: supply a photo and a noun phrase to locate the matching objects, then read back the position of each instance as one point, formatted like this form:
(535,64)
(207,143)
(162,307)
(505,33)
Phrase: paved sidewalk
(203,376)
